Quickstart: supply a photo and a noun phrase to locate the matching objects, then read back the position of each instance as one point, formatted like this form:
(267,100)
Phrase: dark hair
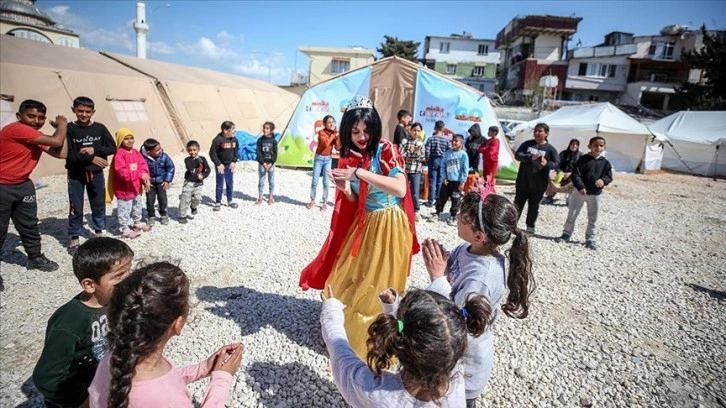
(32,104)
(370,117)
(575,141)
(326,117)
(142,309)
(417,124)
(494,129)
(433,338)
(150,144)
(475,131)
(226,125)
(458,136)
(95,257)
(544,127)
(270,124)
(192,143)
(84,101)
(402,114)
(499,217)
(595,139)
(439,126)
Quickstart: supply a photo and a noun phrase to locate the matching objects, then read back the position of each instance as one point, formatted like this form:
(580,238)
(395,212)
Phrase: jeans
(224,178)
(534,198)
(414,180)
(156,191)
(593,207)
(321,165)
(95,185)
(435,179)
(450,190)
(18,203)
(261,172)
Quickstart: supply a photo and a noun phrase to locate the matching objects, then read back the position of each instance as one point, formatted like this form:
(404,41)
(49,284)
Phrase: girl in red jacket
(128,179)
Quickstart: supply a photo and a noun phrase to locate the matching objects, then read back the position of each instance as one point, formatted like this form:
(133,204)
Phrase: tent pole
(680,157)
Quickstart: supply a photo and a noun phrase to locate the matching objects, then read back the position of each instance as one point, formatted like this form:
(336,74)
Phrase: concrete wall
(321,64)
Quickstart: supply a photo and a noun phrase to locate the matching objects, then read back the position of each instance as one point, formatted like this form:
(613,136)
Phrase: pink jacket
(167,391)
(128,166)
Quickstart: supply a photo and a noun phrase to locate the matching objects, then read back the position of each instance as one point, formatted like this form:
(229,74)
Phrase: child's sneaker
(310,205)
(591,245)
(164,220)
(434,217)
(563,238)
(530,230)
(194,211)
(324,207)
(217,207)
(130,234)
(259,201)
(41,263)
(270,200)
(417,216)
(232,205)
(143,227)
(183,220)
(151,221)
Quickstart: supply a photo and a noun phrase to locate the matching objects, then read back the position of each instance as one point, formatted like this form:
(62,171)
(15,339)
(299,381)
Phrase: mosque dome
(24,11)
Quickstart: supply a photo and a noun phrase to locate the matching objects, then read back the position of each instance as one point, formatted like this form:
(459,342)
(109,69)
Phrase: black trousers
(18,202)
(95,185)
(534,198)
(449,190)
(156,191)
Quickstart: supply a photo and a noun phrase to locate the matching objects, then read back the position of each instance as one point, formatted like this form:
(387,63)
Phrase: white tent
(626,138)
(692,141)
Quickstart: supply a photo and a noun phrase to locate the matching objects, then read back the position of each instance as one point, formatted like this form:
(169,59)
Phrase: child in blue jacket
(161,169)
(454,171)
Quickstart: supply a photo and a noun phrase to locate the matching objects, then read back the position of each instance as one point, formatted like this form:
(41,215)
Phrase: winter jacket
(472,144)
(161,169)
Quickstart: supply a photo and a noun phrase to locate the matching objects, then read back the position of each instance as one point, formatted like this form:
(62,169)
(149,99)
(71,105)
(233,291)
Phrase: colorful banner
(297,147)
(459,108)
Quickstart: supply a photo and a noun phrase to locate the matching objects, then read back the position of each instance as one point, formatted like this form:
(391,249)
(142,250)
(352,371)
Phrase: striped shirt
(436,146)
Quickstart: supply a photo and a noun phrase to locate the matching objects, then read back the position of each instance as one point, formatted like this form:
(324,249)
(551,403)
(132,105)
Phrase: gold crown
(360,102)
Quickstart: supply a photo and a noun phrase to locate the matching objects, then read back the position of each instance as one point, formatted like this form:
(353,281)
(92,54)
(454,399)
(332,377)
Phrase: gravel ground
(639,322)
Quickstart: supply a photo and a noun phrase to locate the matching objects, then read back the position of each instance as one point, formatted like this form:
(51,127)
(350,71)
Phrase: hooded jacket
(472,144)
(161,169)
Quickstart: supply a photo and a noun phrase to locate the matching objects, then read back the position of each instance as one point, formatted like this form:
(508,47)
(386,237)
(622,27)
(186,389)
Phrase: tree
(400,48)
(711,59)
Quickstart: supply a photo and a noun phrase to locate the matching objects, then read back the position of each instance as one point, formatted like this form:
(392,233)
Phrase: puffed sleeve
(391,160)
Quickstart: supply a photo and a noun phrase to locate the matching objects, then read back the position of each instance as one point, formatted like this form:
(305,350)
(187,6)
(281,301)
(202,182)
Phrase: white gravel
(639,322)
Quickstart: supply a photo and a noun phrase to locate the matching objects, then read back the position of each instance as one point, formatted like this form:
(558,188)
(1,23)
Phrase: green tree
(711,94)
(400,48)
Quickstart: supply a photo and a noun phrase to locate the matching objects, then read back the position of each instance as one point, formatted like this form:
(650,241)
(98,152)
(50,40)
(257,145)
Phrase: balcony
(531,26)
(603,51)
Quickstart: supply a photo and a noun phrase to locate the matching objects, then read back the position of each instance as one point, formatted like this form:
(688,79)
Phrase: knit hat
(121,135)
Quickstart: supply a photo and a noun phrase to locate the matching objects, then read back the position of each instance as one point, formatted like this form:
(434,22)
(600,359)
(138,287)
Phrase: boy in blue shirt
(75,340)
(454,171)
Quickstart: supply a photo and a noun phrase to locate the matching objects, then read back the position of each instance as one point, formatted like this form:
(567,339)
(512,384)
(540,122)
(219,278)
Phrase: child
(592,172)
(478,267)
(22,145)
(412,150)
(435,147)
(197,170)
(489,152)
(427,333)
(89,145)
(568,159)
(454,171)
(325,159)
(266,157)
(161,172)
(129,177)
(404,119)
(146,310)
(75,339)
(224,154)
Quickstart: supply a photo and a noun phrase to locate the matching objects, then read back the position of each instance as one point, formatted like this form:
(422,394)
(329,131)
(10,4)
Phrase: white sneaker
(417,216)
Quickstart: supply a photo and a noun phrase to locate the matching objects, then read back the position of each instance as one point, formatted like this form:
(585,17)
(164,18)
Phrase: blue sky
(250,37)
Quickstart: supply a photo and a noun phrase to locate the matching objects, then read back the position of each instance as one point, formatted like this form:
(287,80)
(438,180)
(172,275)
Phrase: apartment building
(462,57)
(325,63)
(534,46)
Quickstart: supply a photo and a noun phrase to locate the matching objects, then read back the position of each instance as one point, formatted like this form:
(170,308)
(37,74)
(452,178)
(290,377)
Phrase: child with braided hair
(478,266)
(416,331)
(146,310)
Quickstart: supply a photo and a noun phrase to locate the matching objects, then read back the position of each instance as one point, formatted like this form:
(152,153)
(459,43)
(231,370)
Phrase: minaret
(141,29)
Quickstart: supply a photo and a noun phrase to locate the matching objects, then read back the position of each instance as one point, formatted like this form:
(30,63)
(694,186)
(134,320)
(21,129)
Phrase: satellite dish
(549,81)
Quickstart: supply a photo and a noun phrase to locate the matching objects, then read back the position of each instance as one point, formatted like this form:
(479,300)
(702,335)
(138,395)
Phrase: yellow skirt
(382,263)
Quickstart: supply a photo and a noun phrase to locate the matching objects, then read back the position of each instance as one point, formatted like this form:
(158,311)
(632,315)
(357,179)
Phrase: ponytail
(520,279)
(477,314)
(384,342)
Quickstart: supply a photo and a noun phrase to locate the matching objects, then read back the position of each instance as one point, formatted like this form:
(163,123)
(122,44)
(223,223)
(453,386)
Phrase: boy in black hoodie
(89,145)
(224,153)
(197,170)
(266,158)
(592,172)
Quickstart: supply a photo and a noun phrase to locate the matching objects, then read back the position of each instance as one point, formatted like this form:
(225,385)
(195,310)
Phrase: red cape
(344,217)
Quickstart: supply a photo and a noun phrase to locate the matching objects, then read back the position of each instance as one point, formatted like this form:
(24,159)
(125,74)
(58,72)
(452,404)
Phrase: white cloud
(224,36)
(206,50)
(97,37)
(257,65)
(160,48)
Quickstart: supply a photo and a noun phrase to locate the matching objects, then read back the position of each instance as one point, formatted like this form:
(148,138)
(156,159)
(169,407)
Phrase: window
(30,35)
(478,71)
(583,69)
(597,70)
(339,66)
(661,50)
(130,111)
(444,47)
(658,77)
(451,69)
(67,42)
(483,49)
